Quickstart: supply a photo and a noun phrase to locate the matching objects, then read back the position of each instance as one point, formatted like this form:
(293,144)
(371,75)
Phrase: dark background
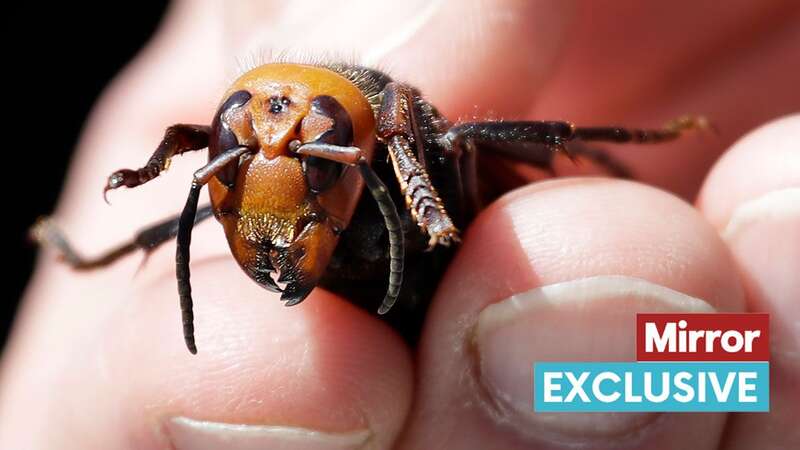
(82,47)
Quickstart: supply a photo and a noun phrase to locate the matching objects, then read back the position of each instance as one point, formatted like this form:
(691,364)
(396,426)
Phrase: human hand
(97,360)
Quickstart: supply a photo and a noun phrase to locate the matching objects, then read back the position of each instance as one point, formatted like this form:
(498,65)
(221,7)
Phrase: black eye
(321,173)
(342,131)
(223,138)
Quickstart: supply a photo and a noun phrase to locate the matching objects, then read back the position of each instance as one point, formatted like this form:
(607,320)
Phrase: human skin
(96,360)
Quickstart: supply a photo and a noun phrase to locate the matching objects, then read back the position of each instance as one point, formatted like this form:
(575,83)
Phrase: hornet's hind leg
(536,143)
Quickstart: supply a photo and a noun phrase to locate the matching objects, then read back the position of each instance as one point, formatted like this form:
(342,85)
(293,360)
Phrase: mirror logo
(684,362)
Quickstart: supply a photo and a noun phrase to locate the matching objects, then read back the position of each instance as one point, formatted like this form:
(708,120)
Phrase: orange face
(283,212)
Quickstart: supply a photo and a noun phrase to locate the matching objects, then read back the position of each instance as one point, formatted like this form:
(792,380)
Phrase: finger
(753,197)
(319,375)
(735,66)
(556,271)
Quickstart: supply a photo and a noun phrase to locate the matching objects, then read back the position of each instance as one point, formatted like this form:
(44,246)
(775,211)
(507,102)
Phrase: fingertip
(562,229)
(322,373)
(322,365)
(557,271)
(765,160)
(752,196)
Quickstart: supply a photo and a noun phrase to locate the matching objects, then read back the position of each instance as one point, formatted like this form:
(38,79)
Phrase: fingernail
(589,319)
(190,434)
(764,236)
(777,206)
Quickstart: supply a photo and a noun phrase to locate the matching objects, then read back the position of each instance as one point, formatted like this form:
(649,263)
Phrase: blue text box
(692,386)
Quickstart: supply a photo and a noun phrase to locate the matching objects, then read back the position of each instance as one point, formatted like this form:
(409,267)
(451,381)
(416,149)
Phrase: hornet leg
(46,233)
(177,139)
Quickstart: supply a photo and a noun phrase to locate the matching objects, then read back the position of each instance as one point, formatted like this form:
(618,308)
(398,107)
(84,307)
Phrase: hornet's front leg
(398,130)
(177,139)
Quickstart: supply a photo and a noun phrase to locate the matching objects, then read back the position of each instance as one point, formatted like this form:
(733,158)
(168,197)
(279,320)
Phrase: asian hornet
(291,150)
